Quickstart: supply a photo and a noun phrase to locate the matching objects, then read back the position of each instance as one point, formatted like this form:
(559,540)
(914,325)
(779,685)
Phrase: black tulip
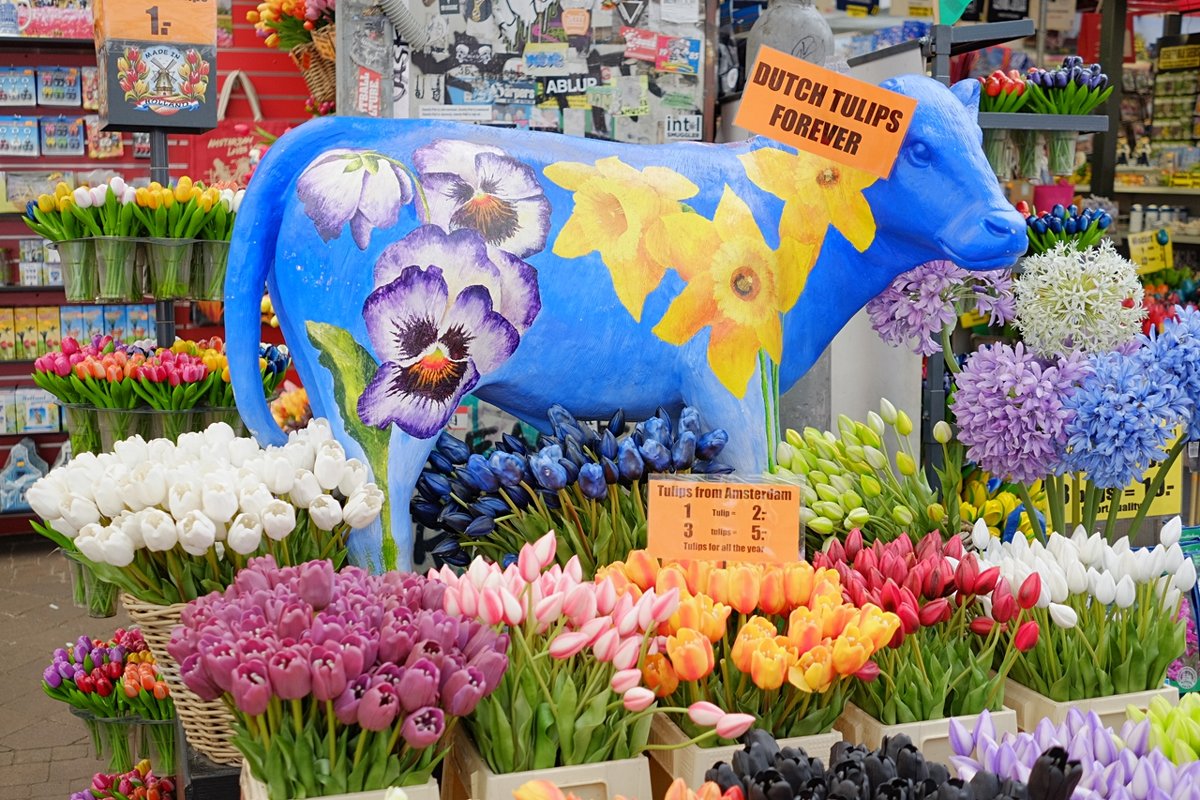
(910,764)
(514,444)
(455,521)
(845,790)
(426,513)
(796,773)
(937,772)
(879,770)
(984,786)
(953,789)
(722,774)
(439,463)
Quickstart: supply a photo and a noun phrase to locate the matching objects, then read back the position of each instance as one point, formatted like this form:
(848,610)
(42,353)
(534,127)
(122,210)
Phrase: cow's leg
(743,418)
(406,458)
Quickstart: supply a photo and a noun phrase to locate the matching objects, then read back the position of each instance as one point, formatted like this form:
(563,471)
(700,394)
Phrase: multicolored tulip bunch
(1174,729)
(1004,92)
(956,620)
(1108,613)
(1075,88)
(105,210)
(589,487)
(291,409)
(139,783)
(1085,226)
(847,481)
(339,681)
(895,771)
(285,24)
(789,657)
(573,693)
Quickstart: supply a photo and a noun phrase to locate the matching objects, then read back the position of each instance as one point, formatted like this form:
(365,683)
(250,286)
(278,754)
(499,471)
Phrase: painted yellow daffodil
(736,284)
(816,192)
(616,206)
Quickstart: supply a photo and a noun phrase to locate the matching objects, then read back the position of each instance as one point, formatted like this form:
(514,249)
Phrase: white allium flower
(1068,300)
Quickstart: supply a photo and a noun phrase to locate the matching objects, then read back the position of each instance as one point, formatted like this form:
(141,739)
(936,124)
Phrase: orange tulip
(755,630)
(641,567)
(691,654)
(745,585)
(772,598)
(659,676)
(804,632)
(850,652)
(836,617)
(538,790)
(797,583)
(718,585)
(813,672)
(702,614)
(669,578)
(696,573)
(769,664)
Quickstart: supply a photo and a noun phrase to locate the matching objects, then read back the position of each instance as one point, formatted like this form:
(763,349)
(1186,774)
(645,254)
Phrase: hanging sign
(824,113)
(158,61)
(1151,250)
(718,521)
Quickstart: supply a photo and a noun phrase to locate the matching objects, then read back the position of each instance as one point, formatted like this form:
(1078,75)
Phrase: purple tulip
(253,648)
(251,687)
(387,673)
(419,685)
(81,653)
(316,583)
(1103,746)
(51,677)
(353,649)
(194,675)
(492,665)
(395,643)
(379,707)
(250,580)
(961,740)
(290,676)
(66,670)
(463,691)
(294,621)
(346,705)
(326,629)
(61,654)
(423,727)
(329,673)
(219,663)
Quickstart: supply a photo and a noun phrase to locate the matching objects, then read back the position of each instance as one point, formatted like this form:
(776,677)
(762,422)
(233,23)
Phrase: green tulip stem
(1114,508)
(1160,475)
(331,734)
(1054,493)
(358,748)
(297,718)
(948,350)
(1031,511)
(1091,501)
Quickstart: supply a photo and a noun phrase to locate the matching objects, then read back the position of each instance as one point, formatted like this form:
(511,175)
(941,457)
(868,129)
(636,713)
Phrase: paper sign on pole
(1167,501)
(824,113)
(716,521)
(1151,250)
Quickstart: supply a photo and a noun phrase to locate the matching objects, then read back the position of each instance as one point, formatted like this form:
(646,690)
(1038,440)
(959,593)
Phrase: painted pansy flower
(616,208)
(481,188)
(735,283)
(816,192)
(365,189)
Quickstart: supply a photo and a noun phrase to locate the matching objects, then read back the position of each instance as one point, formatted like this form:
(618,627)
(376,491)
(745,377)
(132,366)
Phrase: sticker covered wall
(624,71)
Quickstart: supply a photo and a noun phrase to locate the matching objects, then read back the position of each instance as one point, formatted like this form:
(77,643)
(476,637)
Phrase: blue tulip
(571,469)
(480,527)
(684,451)
(452,448)
(549,473)
(711,468)
(574,453)
(1060,79)
(514,444)
(550,499)
(565,425)
(657,456)
(1073,210)
(608,445)
(426,513)
(1105,221)
(1069,226)
(439,463)
(447,546)
(458,559)
(616,423)
(544,441)
(662,414)
(1058,211)
(1055,224)
(507,467)
(507,560)
(710,445)
(489,507)
(433,487)
(519,497)
(611,473)
(462,489)
(455,520)
(656,429)
(551,451)
(591,481)
(1039,225)
(629,460)
(689,420)
(477,468)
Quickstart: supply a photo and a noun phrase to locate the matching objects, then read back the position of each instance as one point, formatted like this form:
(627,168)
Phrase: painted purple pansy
(482,188)
(363,188)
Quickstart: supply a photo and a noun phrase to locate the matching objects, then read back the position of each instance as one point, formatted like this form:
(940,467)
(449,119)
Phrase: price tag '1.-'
(707,520)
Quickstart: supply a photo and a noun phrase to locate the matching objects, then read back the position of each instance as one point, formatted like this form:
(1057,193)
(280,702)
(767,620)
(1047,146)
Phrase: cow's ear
(968,92)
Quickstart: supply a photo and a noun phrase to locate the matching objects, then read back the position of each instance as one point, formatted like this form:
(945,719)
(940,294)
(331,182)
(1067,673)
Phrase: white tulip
(1142,564)
(278,519)
(317,431)
(1063,616)
(1155,561)
(247,479)
(149,484)
(196,533)
(191,446)
(131,525)
(1110,560)
(1093,551)
(1127,565)
(1185,577)
(1077,578)
(45,496)
(1079,536)
(161,452)
(78,510)
(1173,559)
(242,449)
(183,498)
(131,451)
(62,526)
(1171,600)
(305,488)
(89,544)
(99,195)
(219,435)
(1105,589)
(1171,532)
(363,507)
(354,475)
(1054,580)
(128,196)
(300,452)
(255,501)
(219,499)
(325,512)
(278,473)
(118,549)
(1121,545)
(245,534)
(83,199)
(158,530)
(108,497)
(1126,592)
(118,185)
(328,465)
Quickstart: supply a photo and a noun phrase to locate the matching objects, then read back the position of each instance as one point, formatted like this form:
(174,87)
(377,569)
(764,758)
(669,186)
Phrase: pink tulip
(450,600)
(580,605)
(626,619)
(594,627)
(626,679)
(665,605)
(606,597)
(705,714)
(479,571)
(732,726)
(514,611)
(645,611)
(527,564)
(468,599)
(548,609)
(627,654)
(568,644)
(639,698)
(605,646)
(574,569)
(543,550)
(491,606)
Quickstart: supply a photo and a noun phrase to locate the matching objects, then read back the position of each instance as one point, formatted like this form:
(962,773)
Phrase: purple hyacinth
(1011,410)
(918,304)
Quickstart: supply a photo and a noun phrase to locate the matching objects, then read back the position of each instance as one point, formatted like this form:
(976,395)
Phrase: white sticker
(683,127)
(680,11)
(457,113)
(574,121)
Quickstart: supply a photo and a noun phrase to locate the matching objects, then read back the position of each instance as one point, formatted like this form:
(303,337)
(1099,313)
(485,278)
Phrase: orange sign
(711,521)
(157,21)
(824,113)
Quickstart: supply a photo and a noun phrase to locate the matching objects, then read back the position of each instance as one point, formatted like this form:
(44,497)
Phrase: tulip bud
(902,516)
(904,424)
(942,432)
(1026,637)
(639,698)
(1030,591)
(982,625)
(875,423)
(887,411)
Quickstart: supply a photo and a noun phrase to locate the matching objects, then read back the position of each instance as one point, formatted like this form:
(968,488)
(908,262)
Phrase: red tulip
(930,545)
(935,611)
(1027,636)
(104,686)
(854,544)
(982,625)
(1029,591)
(868,672)
(940,580)
(1004,605)
(953,548)
(910,619)
(903,547)
(85,684)
(987,580)
(889,596)
(967,574)
(865,561)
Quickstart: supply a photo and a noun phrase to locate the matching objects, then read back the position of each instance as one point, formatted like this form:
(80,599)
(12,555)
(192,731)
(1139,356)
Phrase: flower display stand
(692,761)
(467,777)
(254,789)
(1031,706)
(931,737)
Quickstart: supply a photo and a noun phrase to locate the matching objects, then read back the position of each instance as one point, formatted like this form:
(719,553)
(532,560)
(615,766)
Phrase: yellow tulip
(769,664)
(641,568)
(850,653)
(813,672)
(702,614)
(797,583)
(46,203)
(745,586)
(755,630)
(61,189)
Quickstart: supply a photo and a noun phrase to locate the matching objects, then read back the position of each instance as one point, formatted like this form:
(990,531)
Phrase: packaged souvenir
(59,86)
(18,86)
(19,136)
(62,136)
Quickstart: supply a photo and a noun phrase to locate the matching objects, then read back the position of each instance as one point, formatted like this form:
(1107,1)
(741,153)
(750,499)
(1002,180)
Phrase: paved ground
(44,751)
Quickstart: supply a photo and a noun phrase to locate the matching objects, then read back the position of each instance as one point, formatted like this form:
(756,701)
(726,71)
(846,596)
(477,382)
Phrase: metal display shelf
(1178,190)
(1084,123)
(26,43)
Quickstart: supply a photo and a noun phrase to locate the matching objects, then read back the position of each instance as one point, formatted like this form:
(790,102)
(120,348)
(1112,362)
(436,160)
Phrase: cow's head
(942,199)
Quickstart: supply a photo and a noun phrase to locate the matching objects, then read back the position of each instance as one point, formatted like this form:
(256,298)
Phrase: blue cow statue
(413,262)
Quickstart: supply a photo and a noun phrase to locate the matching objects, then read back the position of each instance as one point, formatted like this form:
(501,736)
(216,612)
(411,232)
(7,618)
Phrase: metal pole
(1112,55)
(160,170)
(1043,19)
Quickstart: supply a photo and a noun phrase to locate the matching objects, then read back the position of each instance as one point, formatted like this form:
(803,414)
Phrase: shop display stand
(160,170)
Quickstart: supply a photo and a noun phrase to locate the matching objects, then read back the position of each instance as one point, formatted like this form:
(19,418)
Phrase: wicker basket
(208,725)
(319,73)
(324,39)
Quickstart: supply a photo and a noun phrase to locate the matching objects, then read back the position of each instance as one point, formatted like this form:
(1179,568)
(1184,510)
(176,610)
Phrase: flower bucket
(254,789)
(466,776)
(88,591)
(116,424)
(169,265)
(78,260)
(931,737)
(692,761)
(116,268)
(229,416)
(1032,706)
(121,742)
(1062,152)
(173,423)
(1029,150)
(209,259)
(83,428)
(207,724)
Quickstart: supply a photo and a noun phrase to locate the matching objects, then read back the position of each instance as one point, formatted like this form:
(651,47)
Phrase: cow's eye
(920,154)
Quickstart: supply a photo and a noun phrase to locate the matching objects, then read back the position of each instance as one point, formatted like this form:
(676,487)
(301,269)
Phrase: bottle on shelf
(1137,218)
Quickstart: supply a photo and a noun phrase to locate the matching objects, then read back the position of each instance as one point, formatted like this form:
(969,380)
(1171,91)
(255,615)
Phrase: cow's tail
(251,257)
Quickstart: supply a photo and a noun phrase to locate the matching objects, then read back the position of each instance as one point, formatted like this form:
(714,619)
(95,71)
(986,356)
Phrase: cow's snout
(999,223)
